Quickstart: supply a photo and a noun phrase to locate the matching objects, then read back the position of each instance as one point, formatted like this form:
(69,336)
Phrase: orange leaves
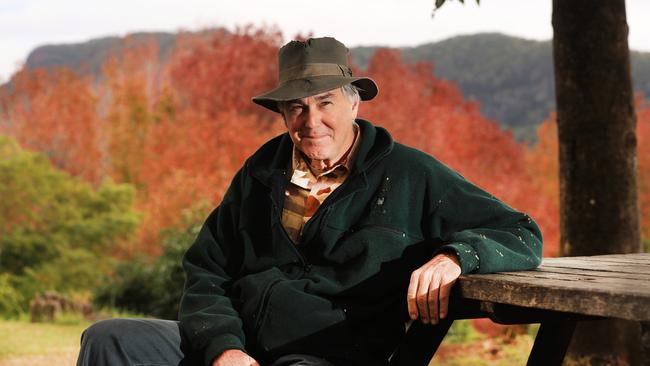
(225,72)
(130,89)
(179,127)
(55,113)
(643,156)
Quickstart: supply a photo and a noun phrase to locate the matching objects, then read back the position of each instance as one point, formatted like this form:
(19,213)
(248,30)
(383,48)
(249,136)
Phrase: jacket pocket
(253,291)
(383,228)
(292,320)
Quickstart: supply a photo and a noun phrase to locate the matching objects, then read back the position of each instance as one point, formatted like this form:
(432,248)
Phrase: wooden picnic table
(561,292)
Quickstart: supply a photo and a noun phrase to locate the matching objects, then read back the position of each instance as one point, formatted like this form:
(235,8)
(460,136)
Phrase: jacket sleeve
(486,234)
(207,316)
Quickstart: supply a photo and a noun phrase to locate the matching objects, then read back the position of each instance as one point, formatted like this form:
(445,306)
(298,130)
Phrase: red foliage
(55,113)
(178,129)
(225,72)
(643,167)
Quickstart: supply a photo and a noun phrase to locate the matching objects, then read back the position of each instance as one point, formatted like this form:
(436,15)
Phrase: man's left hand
(430,286)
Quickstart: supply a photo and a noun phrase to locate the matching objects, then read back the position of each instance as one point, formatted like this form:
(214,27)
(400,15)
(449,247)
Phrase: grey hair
(351,92)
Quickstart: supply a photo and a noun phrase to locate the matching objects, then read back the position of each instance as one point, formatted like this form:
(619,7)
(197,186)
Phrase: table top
(615,285)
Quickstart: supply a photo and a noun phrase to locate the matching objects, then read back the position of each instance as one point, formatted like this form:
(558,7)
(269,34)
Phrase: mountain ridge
(510,77)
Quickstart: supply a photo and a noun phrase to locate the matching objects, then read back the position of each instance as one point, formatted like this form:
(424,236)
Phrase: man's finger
(422,296)
(433,299)
(445,292)
(411,296)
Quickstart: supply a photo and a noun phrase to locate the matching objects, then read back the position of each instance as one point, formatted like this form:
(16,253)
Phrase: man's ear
(284,119)
(355,107)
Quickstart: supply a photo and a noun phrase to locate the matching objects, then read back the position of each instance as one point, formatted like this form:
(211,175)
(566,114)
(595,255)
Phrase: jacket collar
(273,159)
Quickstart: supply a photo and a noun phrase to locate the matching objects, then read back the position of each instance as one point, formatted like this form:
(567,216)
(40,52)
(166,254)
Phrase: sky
(26,24)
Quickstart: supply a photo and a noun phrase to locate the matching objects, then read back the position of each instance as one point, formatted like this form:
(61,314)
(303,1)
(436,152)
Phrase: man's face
(321,125)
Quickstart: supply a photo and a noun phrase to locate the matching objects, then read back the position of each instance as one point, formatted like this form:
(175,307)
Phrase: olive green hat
(313,67)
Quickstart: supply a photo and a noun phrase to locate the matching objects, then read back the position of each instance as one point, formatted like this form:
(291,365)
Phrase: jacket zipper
(266,295)
(303,261)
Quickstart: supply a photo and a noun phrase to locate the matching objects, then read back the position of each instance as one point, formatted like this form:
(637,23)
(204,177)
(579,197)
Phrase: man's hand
(234,357)
(430,286)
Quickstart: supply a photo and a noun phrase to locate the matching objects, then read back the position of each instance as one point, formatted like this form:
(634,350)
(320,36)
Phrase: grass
(465,346)
(35,344)
(25,343)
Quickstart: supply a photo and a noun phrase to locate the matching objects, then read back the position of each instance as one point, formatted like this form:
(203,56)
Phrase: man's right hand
(234,357)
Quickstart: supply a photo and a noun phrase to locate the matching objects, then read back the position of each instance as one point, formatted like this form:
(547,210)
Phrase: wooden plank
(587,277)
(558,295)
(577,283)
(560,261)
(631,276)
(635,261)
(632,257)
(619,255)
(613,261)
(599,266)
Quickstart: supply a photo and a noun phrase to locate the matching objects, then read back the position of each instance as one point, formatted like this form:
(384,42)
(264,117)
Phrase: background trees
(57,231)
(171,132)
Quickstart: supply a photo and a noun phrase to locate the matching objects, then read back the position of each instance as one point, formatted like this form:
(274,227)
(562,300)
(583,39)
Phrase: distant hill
(510,77)
(88,57)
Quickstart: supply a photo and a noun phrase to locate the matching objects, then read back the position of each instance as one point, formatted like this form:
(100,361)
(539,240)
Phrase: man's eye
(325,103)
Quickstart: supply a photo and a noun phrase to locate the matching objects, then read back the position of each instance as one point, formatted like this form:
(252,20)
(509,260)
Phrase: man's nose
(312,118)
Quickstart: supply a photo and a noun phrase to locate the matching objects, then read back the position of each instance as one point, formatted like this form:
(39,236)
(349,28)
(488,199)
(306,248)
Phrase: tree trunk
(599,210)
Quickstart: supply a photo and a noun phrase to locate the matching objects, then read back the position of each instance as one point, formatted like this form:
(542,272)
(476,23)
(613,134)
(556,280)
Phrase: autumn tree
(191,155)
(55,112)
(129,90)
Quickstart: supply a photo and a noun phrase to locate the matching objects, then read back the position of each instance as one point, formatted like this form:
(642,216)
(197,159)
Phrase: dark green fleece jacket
(340,293)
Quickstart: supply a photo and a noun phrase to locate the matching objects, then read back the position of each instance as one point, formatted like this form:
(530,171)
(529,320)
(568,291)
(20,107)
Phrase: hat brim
(302,88)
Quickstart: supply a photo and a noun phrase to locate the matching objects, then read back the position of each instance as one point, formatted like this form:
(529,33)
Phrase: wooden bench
(561,292)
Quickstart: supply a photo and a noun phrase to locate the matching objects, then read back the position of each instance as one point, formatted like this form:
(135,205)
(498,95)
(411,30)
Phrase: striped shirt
(307,191)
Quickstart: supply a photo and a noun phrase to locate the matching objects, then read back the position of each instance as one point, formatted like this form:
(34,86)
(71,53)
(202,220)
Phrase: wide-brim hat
(313,67)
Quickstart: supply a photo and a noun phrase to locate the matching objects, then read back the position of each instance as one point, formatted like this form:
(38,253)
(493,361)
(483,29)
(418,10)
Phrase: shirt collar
(302,173)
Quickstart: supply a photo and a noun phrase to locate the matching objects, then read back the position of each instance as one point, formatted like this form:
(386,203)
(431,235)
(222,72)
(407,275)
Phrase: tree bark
(599,212)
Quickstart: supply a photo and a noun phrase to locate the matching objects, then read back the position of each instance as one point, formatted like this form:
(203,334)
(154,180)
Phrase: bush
(55,230)
(10,299)
(153,286)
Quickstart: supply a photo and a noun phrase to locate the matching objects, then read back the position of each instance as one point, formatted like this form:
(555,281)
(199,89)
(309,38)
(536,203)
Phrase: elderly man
(329,239)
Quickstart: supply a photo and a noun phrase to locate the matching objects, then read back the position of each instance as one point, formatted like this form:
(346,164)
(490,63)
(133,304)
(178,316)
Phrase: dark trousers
(150,342)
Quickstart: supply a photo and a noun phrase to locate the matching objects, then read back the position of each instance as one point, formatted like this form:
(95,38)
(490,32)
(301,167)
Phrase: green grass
(21,338)
(35,344)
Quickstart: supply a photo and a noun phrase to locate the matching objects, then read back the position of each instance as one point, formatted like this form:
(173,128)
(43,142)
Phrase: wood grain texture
(611,286)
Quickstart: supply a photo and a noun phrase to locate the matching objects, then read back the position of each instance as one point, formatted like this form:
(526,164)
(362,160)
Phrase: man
(329,239)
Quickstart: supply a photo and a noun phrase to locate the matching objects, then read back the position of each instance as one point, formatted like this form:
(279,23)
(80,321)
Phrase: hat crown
(312,51)
(310,67)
